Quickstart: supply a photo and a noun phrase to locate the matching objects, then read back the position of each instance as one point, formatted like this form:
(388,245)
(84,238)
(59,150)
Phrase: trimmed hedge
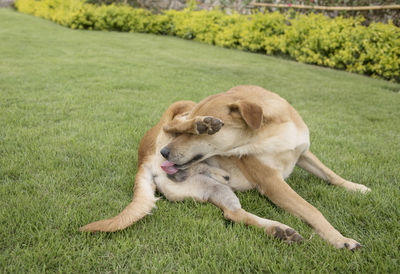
(315,39)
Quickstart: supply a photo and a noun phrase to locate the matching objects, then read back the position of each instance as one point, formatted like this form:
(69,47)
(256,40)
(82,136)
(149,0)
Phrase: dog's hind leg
(312,164)
(270,183)
(141,205)
(203,188)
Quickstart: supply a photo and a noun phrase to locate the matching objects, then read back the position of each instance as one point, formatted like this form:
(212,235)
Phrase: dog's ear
(251,113)
(178,108)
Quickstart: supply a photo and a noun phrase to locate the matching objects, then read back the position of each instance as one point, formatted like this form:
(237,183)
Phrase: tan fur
(206,182)
(267,151)
(248,134)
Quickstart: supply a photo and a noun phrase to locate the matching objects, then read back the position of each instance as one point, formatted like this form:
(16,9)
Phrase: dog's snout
(165,152)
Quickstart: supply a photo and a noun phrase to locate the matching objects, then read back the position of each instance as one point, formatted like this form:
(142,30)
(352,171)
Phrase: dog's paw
(209,125)
(348,243)
(288,235)
(360,188)
(354,187)
(220,175)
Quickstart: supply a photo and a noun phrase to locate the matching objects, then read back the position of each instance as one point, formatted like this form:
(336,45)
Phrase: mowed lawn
(74,106)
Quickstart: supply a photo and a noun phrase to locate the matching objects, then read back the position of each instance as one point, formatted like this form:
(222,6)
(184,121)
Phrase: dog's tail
(143,202)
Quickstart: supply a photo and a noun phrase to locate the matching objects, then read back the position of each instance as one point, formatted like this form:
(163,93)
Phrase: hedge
(342,43)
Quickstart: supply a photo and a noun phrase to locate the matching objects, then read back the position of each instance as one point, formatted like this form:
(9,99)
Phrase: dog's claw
(358,246)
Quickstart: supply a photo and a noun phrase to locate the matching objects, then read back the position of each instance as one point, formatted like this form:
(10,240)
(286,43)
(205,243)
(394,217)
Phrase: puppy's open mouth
(171,168)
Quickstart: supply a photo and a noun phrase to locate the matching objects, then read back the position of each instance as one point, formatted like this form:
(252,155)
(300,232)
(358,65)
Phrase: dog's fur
(252,134)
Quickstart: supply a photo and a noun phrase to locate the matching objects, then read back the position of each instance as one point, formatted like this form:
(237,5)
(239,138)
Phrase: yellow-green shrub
(260,27)
(58,11)
(316,39)
(198,25)
(344,44)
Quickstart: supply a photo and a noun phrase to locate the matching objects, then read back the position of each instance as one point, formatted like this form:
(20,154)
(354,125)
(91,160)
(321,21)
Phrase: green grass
(73,108)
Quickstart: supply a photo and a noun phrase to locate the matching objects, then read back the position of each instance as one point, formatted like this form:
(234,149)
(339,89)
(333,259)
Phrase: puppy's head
(216,126)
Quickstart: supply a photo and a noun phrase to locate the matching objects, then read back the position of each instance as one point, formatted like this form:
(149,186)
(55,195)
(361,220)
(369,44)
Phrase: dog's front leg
(143,202)
(271,183)
(204,189)
(197,125)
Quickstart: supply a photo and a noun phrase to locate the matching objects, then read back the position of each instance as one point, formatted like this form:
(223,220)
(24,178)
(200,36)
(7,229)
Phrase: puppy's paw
(287,234)
(208,124)
(220,175)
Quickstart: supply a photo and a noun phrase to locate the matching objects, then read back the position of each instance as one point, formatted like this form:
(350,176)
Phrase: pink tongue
(169,167)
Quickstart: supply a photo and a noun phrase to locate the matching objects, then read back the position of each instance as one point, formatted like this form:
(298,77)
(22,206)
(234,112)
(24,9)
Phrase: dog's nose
(165,152)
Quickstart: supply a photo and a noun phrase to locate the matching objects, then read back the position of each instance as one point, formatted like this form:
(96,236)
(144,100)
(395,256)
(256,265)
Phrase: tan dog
(203,181)
(253,134)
